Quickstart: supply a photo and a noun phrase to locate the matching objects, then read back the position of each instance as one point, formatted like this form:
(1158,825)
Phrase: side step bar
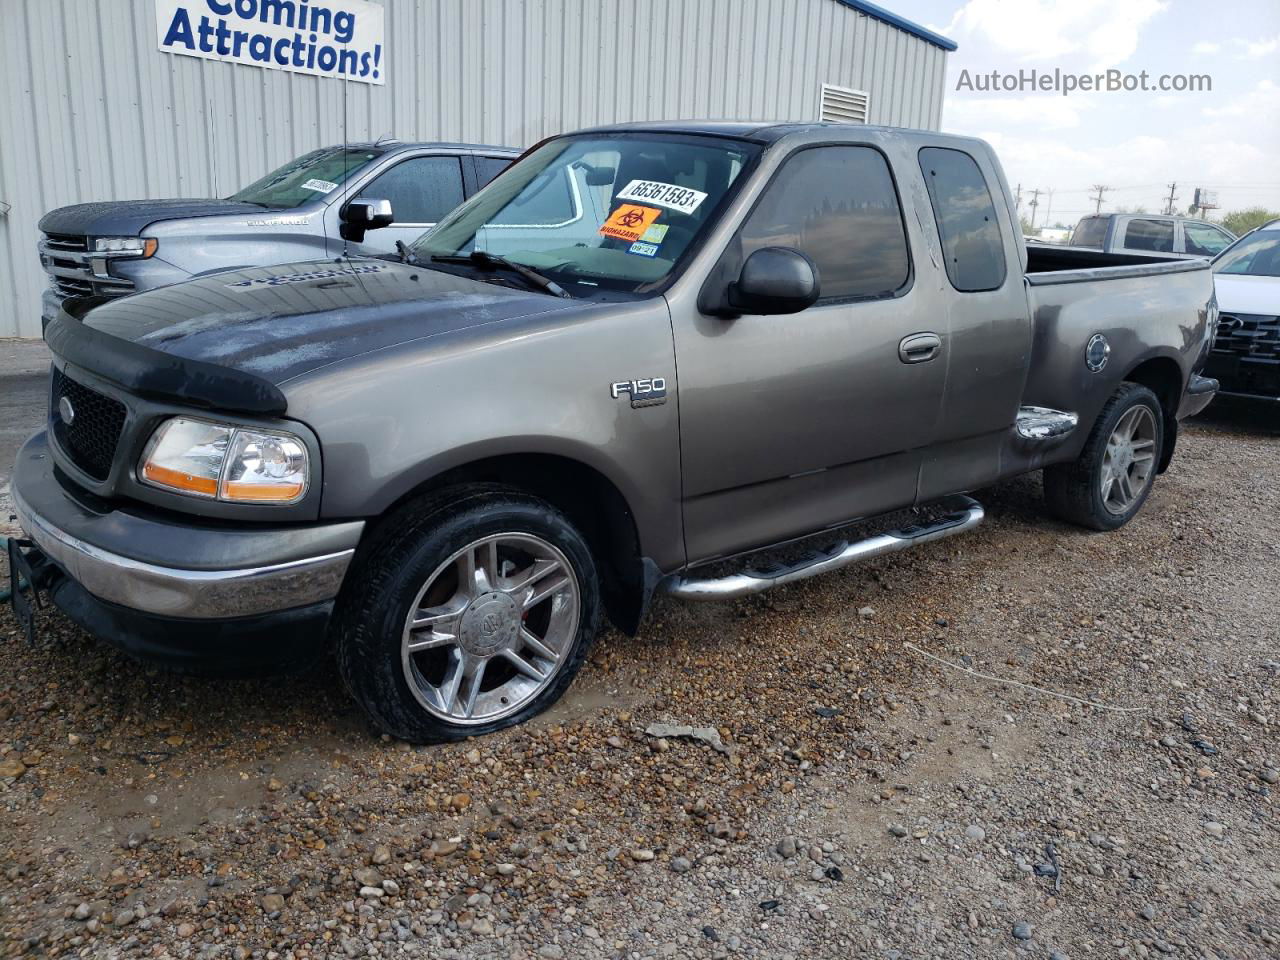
(963,514)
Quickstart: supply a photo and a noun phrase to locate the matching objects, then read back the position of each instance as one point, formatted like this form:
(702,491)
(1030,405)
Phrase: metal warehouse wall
(91,110)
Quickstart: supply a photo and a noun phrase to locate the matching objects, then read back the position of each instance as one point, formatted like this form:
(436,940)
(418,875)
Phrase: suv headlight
(219,461)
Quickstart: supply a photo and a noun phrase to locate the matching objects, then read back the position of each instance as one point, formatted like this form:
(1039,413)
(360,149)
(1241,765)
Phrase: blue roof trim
(880,13)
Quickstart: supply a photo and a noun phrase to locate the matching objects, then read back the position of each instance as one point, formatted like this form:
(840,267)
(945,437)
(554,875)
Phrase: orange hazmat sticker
(629,221)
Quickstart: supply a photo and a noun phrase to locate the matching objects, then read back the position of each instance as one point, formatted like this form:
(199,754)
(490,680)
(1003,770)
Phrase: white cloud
(1204,48)
(1103,31)
(1260,48)
(1035,112)
(1261,102)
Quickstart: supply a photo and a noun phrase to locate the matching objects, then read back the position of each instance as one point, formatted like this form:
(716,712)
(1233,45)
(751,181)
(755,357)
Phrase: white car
(1246,350)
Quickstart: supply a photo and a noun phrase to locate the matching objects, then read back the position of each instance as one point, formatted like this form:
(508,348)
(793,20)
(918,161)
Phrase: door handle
(919,347)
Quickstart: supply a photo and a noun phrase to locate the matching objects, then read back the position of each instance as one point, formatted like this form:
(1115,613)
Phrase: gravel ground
(869,802)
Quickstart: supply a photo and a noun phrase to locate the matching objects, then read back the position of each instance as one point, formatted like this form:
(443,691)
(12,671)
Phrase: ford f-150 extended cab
(297,212)
(639,355)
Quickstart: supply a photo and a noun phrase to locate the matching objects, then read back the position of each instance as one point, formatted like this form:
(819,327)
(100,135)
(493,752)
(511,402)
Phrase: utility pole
(1048,210)
(1097,201)
(1017,199)
(1168,207)
(1035,202)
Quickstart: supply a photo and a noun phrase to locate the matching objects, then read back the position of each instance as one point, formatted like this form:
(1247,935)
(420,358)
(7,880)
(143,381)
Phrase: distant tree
(1241,222)
(1027,229)
(1137,209)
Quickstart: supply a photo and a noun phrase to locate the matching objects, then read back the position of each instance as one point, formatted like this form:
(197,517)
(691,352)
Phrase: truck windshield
(598,213)
(1257,255)
(309,177)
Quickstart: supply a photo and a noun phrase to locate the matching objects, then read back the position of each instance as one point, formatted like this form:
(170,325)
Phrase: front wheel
(471,613)
(1110,481)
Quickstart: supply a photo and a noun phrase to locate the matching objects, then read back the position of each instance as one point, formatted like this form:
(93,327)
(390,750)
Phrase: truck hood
(1239,293)
(280,322)
(128,218)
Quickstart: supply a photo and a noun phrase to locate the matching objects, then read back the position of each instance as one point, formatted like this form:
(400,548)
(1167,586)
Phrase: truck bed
(1146,308)
(1051,263)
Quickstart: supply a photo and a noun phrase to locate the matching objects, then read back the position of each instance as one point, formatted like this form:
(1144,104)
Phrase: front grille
(66,287)
(67,261)
(1251,336)
(90,439)
(65,242)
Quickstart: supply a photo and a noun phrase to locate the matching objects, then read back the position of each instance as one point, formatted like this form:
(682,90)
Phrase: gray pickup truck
(448,465)
(1145,233)
(298,212)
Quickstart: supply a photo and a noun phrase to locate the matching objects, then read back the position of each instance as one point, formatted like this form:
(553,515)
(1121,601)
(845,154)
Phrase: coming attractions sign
(328,38)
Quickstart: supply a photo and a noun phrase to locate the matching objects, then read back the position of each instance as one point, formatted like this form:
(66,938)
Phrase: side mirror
(775,280)
(363,214)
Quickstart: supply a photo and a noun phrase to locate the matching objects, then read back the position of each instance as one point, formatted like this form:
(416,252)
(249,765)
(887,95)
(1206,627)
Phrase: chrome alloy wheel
(1129,463)
(491,628)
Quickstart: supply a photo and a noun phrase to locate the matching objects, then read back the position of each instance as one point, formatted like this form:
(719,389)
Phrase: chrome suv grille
(66,260)
(91,437)
(1251,336)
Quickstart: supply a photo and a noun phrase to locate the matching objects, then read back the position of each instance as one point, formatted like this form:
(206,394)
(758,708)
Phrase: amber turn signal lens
(166,477)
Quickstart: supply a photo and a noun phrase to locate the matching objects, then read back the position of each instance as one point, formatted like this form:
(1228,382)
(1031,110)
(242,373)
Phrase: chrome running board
(1041,423)
(963,514)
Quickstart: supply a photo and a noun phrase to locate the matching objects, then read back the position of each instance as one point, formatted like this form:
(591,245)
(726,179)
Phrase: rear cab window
(837,205)
(1090,232)
(963,209)
(489,167)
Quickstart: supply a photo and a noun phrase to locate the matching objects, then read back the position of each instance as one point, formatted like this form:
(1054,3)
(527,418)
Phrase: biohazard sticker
(629,222)
(667,195)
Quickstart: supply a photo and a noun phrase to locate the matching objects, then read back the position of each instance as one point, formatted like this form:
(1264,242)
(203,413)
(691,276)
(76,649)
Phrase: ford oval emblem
(1097,352)
(66,412)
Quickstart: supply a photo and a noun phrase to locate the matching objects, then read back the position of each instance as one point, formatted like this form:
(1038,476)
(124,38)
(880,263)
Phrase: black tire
(392,567)
(1073,491)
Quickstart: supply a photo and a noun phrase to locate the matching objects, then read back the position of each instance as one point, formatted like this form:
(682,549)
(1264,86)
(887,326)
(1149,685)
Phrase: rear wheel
(473,615)
(1111,480)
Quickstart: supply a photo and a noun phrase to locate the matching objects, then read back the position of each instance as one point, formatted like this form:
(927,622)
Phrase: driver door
(791,424)
(422,189)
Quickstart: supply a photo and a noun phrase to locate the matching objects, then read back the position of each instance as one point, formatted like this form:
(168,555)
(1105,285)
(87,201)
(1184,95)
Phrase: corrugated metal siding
(91,110)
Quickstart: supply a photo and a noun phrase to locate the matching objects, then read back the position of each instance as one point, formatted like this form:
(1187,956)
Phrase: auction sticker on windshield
(629,222)
(667,195)
(319,186)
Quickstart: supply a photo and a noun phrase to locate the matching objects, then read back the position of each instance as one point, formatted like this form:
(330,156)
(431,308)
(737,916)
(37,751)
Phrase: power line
(1168,206)
(1101,188)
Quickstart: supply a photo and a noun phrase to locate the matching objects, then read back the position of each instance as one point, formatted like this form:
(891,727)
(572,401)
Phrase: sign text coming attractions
(327,38)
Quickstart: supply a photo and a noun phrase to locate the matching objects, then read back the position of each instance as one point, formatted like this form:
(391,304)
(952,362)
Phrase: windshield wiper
(406,253)
(481,258)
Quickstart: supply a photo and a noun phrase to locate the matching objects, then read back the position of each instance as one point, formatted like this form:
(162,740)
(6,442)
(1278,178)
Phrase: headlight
(126,246)
(214,460)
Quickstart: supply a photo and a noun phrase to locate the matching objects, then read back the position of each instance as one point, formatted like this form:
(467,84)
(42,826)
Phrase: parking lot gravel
(867,799)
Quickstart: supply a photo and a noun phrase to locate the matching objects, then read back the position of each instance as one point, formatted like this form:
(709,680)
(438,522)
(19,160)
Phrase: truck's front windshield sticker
(629,222)
(668,195)
(319,186)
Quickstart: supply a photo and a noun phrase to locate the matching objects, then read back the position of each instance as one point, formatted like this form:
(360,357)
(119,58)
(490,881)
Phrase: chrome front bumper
(254,570)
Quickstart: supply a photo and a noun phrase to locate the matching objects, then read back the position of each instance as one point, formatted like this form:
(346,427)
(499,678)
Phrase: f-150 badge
(644,392)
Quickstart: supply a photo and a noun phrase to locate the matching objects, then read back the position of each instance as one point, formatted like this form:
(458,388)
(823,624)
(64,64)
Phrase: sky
(1226,139)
